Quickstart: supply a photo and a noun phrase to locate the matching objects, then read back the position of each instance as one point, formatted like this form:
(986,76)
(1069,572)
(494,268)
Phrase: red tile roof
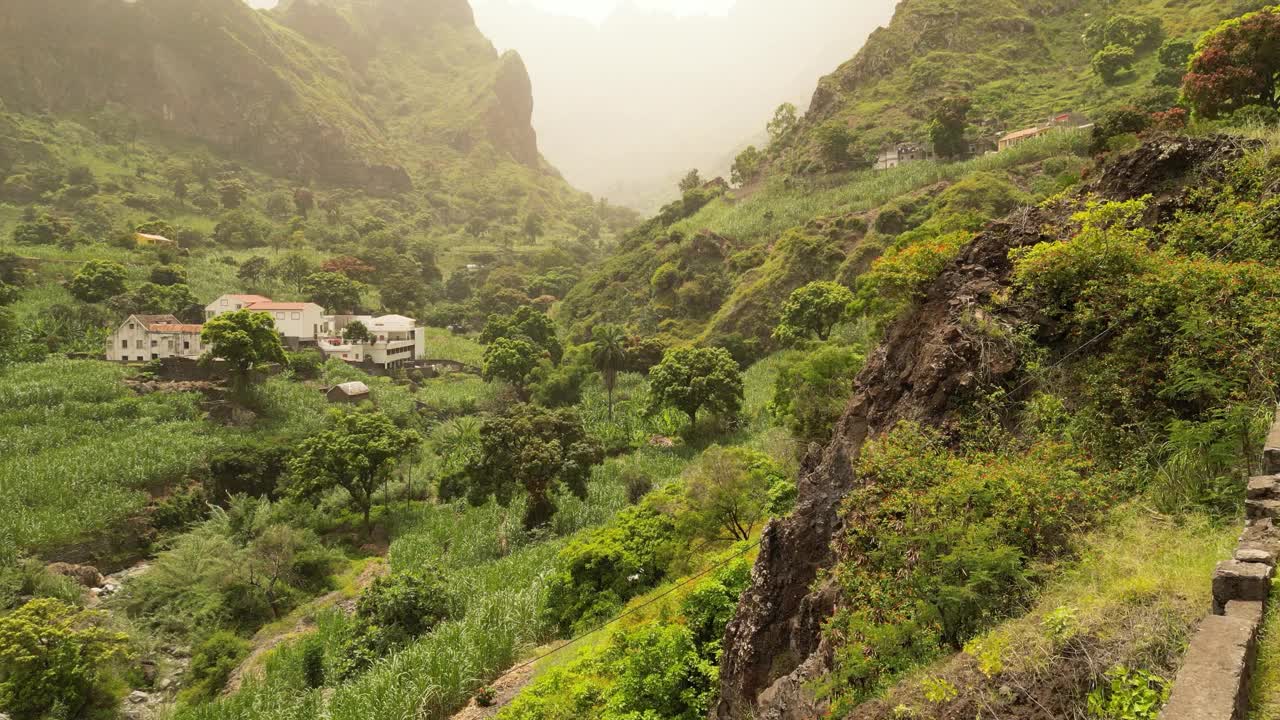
(251,298)
(268,305)
(176,328)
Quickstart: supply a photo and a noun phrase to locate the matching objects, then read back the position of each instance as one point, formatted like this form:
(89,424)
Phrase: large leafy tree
(1112,62)
(727,493)
(97,280)
(690,379)
(946,128)
(525,323)
(784,121)
(54,655)
(332,291)
(746,167)
(512,361)
(813,310)
(609,356)
(1236,65)
(244,339)
(294,269)
(356,452)
(539,451)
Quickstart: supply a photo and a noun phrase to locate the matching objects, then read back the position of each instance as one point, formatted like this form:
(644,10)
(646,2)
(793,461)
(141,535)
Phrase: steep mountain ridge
(363,94)
(1018,60)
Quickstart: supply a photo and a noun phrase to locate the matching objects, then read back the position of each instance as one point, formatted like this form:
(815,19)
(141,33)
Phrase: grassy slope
(1133,598)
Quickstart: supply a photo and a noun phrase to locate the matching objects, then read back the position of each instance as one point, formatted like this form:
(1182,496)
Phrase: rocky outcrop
(928,364)
(510,118)
(773,645)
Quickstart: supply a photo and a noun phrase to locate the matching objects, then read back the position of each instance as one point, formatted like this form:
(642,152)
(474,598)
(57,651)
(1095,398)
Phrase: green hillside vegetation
(1017,63)
(1091,314)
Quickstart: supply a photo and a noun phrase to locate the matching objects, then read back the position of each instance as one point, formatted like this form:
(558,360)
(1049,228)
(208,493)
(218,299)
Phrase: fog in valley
(624,107)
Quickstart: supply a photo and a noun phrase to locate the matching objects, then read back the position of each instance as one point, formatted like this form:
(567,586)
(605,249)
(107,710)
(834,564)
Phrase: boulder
(85,575)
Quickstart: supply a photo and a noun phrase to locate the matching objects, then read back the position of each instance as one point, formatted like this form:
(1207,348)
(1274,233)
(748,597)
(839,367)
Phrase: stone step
(1271,449)
(1264,487)
(1235,580)
(1260,509)
(1213,683)
(1256,555)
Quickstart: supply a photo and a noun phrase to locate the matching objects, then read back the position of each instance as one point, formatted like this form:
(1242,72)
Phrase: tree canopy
(335,293)
(1236,65)
(946,128)
(727,493)
(511,360)
(609,356)
(690,379)
(97,280)
(525,323)
(244,339)
(539,451)
(813,310)
(353,453)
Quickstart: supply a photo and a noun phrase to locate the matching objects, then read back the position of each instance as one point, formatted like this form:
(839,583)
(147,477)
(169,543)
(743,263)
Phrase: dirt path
(505,690)
(272,637)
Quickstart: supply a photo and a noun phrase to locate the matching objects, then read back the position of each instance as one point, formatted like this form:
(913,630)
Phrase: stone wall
(1216,673)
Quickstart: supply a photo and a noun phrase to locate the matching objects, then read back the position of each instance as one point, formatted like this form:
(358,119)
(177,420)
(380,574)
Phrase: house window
(124,344)
(137,344)
(186,344)
(130,326)
(155,356)
(155,343)
(279,316)
(295,316)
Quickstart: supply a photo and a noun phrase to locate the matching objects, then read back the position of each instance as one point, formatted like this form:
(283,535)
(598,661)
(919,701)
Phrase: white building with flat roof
(395,340)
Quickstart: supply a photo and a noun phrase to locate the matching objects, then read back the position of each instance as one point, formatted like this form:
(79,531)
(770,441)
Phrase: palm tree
(609,355)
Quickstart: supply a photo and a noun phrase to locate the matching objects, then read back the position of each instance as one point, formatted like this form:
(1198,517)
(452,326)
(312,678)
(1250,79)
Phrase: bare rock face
(511,115)
(929,360)
(773,646)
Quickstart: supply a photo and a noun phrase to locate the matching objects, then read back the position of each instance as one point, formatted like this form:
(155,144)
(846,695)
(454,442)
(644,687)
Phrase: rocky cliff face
(321,103)
(511,115)
(926,367)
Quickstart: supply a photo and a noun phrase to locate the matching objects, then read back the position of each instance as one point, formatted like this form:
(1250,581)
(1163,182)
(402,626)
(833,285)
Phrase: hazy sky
(598,10)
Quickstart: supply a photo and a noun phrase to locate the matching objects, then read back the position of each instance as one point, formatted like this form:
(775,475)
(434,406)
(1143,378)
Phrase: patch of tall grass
(79,451)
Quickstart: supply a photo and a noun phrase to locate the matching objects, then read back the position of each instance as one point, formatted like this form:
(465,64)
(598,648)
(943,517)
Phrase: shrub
(812,390)
(212,662)
(55,656)
(936,546)
(1129,694)
(604,568)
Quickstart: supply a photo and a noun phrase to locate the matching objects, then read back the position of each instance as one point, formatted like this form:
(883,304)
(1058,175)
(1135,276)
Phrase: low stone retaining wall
(1216,674)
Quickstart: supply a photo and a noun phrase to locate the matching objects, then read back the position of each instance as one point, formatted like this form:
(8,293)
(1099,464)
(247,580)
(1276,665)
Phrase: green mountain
(803,217)
(387,97)
(314,91)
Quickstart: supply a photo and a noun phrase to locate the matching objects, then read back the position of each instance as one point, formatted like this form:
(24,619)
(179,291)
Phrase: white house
(298,323)
(152,337)
(396,340)
(231,303)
